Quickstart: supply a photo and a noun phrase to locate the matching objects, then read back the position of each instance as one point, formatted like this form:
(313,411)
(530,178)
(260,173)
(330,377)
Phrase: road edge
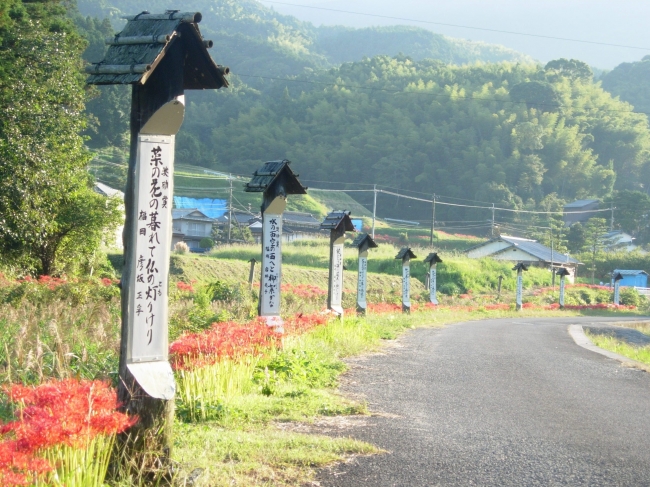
(581,339)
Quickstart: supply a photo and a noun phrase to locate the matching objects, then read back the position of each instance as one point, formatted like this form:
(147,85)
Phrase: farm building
(524,250)
(632,278)
(190,226)
(579,211)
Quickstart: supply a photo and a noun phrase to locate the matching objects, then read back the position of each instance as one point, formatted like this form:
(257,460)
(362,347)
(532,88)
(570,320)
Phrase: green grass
(260,456)
(640,354)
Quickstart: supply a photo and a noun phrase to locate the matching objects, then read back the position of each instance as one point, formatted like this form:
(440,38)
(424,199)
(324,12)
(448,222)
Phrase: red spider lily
(68,412)
(301,323)
(306,291)
(185,287)
(380,308)
(222,340)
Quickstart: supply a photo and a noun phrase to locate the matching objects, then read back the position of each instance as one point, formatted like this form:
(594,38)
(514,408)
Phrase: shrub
(630,297)
(449,288)
(206,243)
(181,248)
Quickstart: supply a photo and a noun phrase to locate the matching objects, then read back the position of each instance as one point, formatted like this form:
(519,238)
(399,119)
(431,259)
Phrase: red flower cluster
(306,291)
(222,340)
(107,281)
(68,412)
(184,286)
(301,323)
(49,281)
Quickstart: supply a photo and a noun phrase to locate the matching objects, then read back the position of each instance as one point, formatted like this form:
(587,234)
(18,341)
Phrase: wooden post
(275,180)
(617,288)
(499,289)
(562,272)
(337,222)
(251,274)
(433,259)
(406,254)
(520,283)
(363,242)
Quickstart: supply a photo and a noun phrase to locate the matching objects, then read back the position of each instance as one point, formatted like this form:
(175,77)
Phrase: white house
(190,226)
(524,250)
(619,240)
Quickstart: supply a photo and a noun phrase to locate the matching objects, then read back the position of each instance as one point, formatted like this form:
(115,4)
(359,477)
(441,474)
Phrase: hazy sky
(623,22)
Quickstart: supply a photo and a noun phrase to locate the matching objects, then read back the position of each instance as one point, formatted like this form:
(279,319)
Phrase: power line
(485,29)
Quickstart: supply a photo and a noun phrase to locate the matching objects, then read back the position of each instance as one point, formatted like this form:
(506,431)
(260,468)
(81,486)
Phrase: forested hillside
(516,134)
(631,81)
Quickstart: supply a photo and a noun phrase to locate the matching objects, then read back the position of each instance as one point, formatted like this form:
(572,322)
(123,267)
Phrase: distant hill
(631,82)
(253,39)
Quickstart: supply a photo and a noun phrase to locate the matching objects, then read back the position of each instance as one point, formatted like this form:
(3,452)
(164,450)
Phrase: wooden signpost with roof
(562,272)
(363,242)
(433,259)
(276,180)
(161,56)
(617,288)
(520,268)
(337,222)
(405,255)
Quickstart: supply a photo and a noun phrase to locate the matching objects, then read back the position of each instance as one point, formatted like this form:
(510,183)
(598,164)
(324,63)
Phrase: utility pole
(492,220)
(374,210)
(433,219)
(611,221)
(230,208)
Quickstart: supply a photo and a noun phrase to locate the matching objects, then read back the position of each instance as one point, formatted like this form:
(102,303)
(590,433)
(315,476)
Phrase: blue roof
(627,272)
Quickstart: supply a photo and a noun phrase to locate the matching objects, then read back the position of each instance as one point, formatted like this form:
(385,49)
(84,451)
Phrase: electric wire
(485,29)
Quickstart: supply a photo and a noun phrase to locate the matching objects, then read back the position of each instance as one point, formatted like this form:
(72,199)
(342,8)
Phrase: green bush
(631,297)
(206,243)
(449,288)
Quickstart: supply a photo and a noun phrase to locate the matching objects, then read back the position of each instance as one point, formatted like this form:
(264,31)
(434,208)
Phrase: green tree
(632,213)
(50,218)
(594,232)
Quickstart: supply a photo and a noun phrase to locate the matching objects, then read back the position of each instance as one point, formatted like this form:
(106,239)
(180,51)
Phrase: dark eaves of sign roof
(264,177)
(137,50)
(337,218)
(406,251)
(364,238)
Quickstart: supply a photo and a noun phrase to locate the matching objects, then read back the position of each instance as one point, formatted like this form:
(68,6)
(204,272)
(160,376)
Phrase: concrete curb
(578,335)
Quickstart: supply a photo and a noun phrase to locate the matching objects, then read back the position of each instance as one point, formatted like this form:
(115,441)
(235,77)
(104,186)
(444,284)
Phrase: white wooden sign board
(432,284)
(562,291)
(362,283)
(336,286)
(406,285)
(520,283)
(148,317)
(617,293)
(271,265)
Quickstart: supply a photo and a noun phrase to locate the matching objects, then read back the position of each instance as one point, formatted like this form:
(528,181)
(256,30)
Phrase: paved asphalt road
(498,403)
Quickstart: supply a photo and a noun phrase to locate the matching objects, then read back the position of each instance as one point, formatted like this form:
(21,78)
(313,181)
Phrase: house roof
(532,247)
(135,52)
(190,214)
(627,272)
(300,218)
(580,203)
(106,190)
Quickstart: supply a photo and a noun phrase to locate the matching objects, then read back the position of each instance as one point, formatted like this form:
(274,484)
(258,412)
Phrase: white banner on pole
(362,282)
(271,265)
(520,285)
(432,285)
(617,293)
(406,285)
(148,317)
(562,291)
(337,275)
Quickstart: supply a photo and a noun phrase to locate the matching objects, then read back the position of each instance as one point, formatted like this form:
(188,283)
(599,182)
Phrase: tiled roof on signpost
(364,239)
(337,218)
(135,52)
(405,252)
(272,172)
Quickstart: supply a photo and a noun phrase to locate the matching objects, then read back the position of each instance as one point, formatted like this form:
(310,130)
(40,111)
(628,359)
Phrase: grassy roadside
(257,437)
(638,353)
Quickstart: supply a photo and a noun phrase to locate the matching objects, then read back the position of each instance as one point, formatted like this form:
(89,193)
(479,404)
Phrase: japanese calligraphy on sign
(362,282)
(432,284)
(617,293)
(406,285)
(271,264)
(148,299)
(520,284)
(562,291)
(336,285)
